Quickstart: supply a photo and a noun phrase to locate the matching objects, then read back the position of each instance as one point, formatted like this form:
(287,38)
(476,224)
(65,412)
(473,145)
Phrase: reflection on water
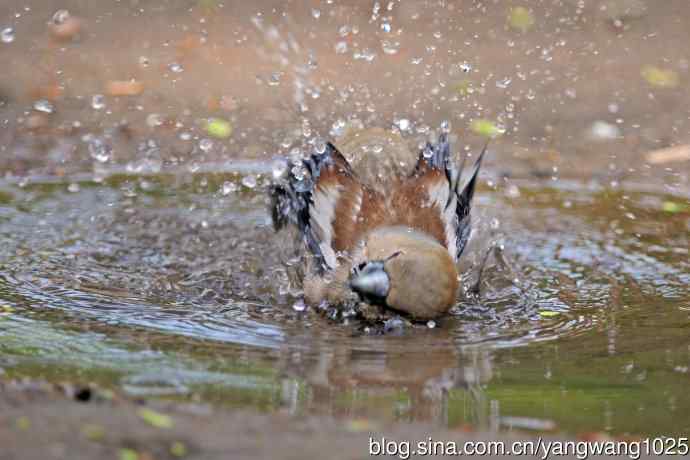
(175,285)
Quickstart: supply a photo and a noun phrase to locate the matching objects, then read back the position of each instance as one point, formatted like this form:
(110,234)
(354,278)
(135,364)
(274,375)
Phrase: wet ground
(138,255)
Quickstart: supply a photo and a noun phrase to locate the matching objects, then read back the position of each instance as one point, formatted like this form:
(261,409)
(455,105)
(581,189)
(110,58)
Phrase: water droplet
(445,127)
(228,188)
(465,67)
(7,35)
(341,47)
(299,306)
(98,102)
(495,224)
(513,191)
(99,150)
(390,47)
(205,145)
(603,131)
(386,27)
(431,324)
(144,61)
(43,105)
(153,120)
(315,13)
(185,136)
(298,172)
(249,181)
(366,55)
(306,128)
(503,83)
(403,124)
(176,68)
(319,145)
(274,79)
(60,17)
(278,168)
(338,128)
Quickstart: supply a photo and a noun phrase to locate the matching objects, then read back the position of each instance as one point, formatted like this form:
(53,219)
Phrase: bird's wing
(431,200)
(327,203)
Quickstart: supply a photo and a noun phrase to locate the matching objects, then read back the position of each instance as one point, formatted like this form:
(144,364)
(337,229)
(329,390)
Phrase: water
(137,252)
(164,285)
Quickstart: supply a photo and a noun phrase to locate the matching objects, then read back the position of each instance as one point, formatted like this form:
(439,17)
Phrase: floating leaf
(178,449)
(520,18)
(6,309)
(463,87)
(673,207)
(128,454)
(219,128)
(23,423)
(486,128)
(548,313)
(663,78)
(93,432)
(208,4)
(156,419)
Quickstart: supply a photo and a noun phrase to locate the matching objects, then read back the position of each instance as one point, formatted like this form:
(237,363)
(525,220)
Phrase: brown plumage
(379,230)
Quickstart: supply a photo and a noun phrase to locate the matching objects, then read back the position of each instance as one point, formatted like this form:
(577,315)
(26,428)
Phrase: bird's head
(406,271)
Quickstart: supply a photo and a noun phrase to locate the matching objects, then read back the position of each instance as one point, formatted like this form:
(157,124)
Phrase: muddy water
(174,286)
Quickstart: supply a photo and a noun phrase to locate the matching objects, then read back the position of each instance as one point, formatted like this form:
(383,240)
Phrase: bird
(379,233)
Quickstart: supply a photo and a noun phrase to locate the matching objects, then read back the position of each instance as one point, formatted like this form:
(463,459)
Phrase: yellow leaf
(178,449)
(128,454)
(663,78)
(486,128)
(548,313)
(520,18)
(219,128)
(156,419)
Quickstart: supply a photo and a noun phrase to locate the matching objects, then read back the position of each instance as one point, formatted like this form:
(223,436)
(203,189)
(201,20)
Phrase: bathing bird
(380,229)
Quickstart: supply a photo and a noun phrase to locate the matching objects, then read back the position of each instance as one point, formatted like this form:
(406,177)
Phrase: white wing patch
(439,195)
(321,215)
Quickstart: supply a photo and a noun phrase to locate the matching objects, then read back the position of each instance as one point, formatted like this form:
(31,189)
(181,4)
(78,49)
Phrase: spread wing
(433,200)
(323,191)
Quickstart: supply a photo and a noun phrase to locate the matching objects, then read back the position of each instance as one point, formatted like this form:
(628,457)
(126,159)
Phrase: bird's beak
(371,281)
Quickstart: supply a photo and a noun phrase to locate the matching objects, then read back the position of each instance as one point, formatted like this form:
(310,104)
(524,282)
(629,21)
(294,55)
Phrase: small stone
(205,145)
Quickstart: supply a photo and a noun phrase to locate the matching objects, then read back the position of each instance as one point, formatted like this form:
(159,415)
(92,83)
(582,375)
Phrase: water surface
(174,285)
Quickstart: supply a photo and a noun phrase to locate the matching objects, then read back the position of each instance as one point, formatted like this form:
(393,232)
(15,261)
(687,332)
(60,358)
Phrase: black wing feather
(437,156)
(292,199)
